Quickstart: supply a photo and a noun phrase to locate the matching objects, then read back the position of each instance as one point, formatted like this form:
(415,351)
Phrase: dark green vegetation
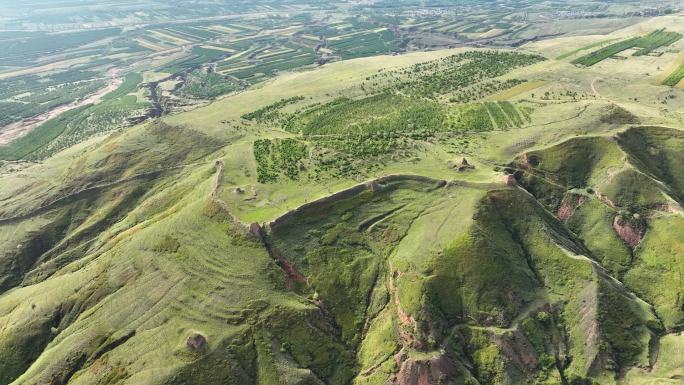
(350,135)
(212,58)
(466,76)
(22,47)
(271,112)
(498,22)
(606,52)
(187,200)
(216,49)
(393,116)
(24,147)
(129,85)
(570,277)
(586,47)
(362,44)
(31,95)
(655,40)
(267,63)
(458,78)
(645,45)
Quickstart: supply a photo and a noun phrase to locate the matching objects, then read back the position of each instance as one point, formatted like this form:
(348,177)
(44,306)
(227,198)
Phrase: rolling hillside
(463,216)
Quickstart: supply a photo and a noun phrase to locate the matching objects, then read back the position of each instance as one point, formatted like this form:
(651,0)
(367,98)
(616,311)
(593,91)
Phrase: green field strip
(647,44)
(675,77)
(584,48)
(275,54)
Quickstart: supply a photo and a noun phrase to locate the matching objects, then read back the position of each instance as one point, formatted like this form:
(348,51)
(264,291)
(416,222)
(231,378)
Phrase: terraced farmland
(360,44)
(267,60)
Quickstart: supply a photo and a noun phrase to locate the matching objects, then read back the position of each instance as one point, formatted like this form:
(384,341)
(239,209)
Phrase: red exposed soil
(509,180)
(630,234)
(197,341)
(292,273)
(406,320)
(568,206)
(424,372)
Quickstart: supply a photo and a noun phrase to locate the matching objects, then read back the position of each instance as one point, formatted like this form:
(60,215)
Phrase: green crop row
(72,127)
(42,99)
(656,39)
(674,78)
(39,137)
(647,44)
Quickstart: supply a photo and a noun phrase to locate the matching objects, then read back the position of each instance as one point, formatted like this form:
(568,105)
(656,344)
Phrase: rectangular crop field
(655,40)
(606,52)
(646,45)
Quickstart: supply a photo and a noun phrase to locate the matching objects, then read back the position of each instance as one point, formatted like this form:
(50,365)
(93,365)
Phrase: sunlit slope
(556,259)
(396,275)
(170,292)
(481,285)
(379,294)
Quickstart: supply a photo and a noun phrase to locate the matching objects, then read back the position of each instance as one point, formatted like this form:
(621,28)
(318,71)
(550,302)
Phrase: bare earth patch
(631,235)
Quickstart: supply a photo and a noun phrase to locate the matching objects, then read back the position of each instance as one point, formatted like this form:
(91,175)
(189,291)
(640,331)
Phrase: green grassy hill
(355,226)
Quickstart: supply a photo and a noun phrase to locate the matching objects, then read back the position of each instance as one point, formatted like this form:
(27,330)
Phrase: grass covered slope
(368,268)
(359,287)
(231,245)
(625,202)
(212,296)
